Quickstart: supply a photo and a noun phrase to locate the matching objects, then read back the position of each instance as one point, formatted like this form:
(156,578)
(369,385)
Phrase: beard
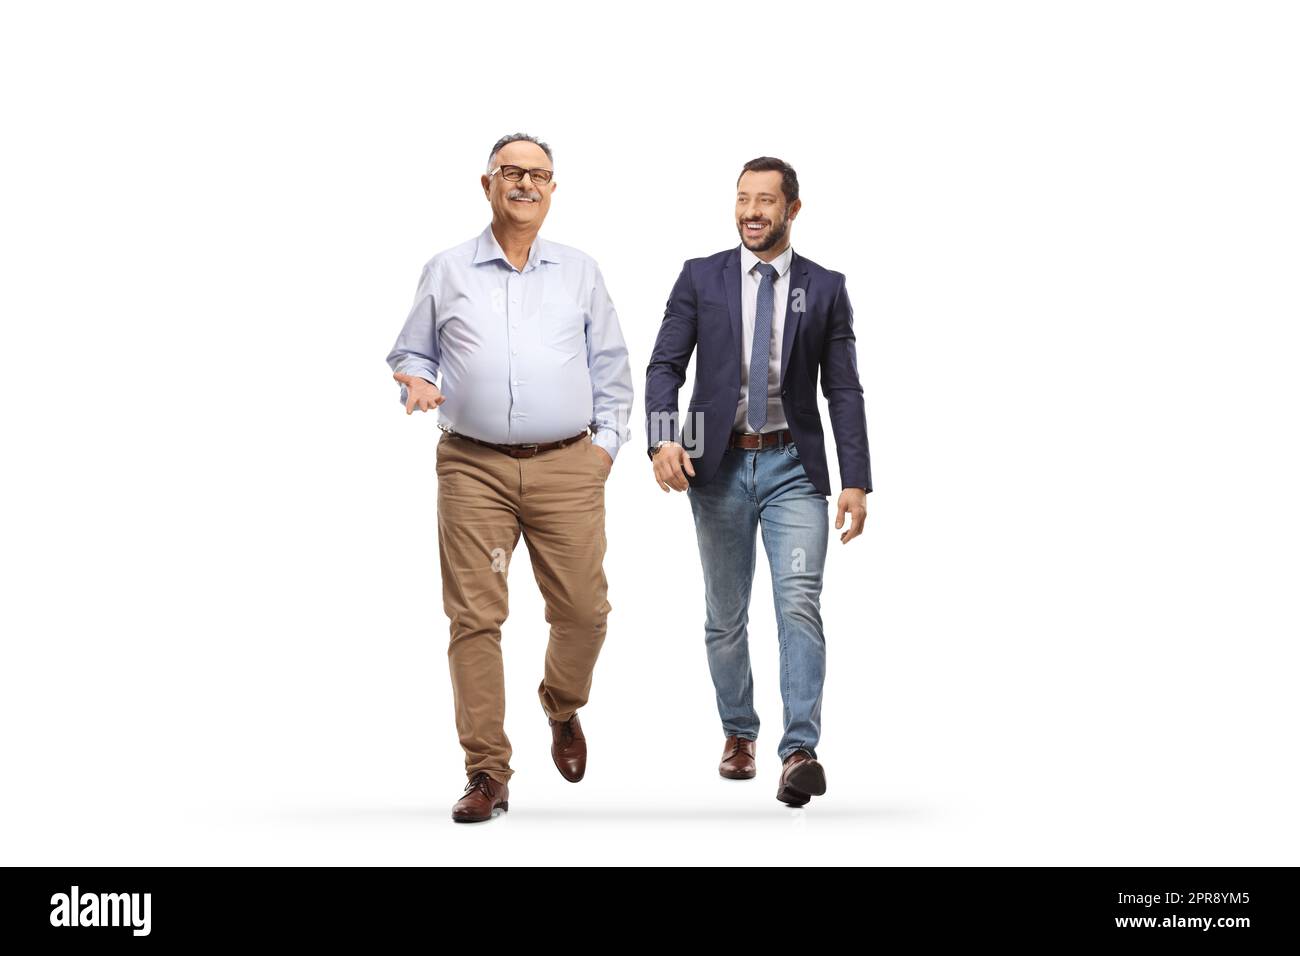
(774,236)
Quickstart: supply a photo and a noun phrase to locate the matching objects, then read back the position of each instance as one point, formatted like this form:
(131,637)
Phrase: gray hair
(516,138)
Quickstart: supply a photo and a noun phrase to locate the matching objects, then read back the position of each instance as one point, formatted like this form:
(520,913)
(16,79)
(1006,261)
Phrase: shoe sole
(503,807)
(808,778)
(805,781)
(792,798)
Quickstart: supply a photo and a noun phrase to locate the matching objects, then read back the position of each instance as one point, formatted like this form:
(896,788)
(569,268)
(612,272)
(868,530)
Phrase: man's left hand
(853,502)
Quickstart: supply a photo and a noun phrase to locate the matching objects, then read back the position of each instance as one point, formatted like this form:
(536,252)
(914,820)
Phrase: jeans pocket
(791,450)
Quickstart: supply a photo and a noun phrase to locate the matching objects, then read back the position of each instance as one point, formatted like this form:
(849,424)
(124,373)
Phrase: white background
(1068,635)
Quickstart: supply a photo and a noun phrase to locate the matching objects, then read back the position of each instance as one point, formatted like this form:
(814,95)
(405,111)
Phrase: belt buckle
(526,445)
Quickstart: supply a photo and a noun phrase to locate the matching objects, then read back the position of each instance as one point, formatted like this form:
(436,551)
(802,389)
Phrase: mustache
(524,194)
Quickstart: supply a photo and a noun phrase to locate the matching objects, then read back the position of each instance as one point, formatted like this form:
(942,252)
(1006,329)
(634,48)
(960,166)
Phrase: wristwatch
(660,444)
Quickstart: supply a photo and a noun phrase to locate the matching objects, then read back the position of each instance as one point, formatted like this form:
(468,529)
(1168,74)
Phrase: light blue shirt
(531,355)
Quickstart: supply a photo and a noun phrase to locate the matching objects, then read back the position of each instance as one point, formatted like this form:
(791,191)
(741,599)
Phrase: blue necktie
(762,350)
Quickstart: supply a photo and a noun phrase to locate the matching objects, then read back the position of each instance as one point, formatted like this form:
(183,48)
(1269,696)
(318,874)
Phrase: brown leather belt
(527,450)
(765,440)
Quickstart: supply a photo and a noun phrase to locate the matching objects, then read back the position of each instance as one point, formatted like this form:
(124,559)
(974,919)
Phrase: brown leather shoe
(482,796)
(737,758)
(802,778)
(568,748)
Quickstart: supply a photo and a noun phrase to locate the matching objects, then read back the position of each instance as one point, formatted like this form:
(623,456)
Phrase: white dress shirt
(526,355)
(749,281)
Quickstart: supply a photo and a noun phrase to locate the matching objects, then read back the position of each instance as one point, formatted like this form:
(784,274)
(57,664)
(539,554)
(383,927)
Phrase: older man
(535,395)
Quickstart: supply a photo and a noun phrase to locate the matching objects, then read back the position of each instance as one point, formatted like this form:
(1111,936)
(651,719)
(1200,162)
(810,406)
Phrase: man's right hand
(420,393)
(672,465)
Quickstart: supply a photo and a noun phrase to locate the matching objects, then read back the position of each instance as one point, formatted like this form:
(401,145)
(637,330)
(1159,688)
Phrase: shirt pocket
(563,327)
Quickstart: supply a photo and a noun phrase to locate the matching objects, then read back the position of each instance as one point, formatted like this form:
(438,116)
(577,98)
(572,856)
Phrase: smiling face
(523,204)
(762,218)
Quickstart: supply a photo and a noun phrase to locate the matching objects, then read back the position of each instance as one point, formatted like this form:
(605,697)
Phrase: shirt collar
(782,262)
(488,249)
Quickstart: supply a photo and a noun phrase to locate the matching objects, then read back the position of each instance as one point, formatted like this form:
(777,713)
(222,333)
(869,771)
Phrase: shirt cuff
(607,439)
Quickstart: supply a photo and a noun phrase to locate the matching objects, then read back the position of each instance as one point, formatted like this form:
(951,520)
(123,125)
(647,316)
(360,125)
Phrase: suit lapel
(731,282)
(798,279)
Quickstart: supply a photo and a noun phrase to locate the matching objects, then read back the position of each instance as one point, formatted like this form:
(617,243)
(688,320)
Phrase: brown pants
(485,500)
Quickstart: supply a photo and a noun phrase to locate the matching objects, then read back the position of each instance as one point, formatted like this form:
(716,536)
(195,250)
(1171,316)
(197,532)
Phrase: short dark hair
(765,164)
(516,138)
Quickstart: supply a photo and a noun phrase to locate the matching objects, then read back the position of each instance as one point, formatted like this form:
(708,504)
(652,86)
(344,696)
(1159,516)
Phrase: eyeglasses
(515,174)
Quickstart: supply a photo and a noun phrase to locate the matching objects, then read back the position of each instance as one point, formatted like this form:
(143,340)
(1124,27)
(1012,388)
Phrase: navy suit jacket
(703,315)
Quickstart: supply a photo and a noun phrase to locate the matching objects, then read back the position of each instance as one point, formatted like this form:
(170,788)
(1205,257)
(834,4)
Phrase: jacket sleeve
(843,391)
(672,353)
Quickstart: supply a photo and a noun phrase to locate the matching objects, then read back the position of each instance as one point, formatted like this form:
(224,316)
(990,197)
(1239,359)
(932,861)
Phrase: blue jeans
(764,488)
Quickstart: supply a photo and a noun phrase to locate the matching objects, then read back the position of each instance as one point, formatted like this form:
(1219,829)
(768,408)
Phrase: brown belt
(522,451)
(765,440)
